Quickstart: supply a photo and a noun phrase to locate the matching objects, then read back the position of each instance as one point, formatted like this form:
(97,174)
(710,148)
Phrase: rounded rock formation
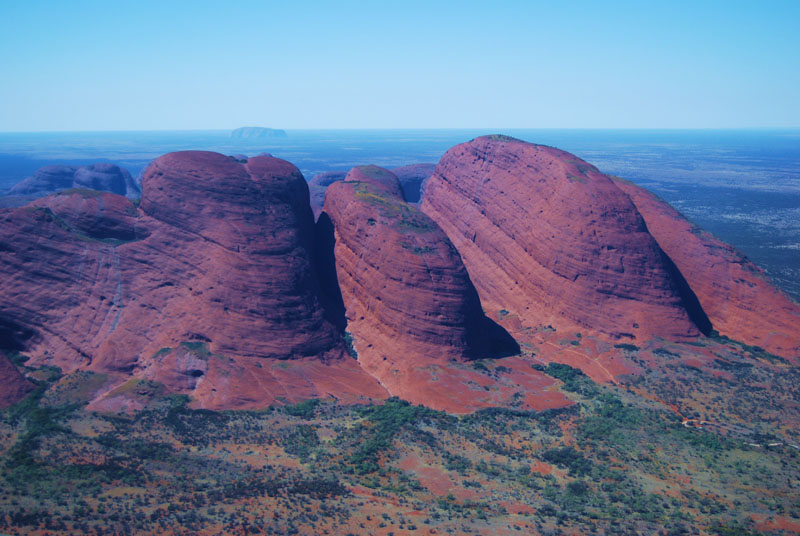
(740,300)
(205,288)
(407,297)
(252,289)
(548,237)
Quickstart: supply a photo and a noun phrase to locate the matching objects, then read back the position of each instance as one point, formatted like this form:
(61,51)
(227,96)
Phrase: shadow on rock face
(690,300)
(502,344)
(487,339)
(13,336)
(330,293)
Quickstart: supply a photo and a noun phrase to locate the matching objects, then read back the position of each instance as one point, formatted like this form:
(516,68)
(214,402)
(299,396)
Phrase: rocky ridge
(549,238)
(220,286)
(204,287)
(408,300)
(738,297)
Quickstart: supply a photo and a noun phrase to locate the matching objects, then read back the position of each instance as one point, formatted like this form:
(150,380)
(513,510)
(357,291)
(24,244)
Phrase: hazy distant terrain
(743,186)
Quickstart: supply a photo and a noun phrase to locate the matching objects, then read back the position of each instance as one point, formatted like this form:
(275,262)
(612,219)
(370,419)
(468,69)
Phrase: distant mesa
(50,179)
(258,133)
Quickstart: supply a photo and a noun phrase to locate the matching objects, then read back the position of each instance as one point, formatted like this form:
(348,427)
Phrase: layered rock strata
(407,297)
(738,297)
(202,287)
(548,237)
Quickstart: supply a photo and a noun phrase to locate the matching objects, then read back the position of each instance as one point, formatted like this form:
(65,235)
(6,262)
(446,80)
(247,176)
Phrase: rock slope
(411,180)
(204,287)
(219,285)
(549,238)
(738,297)
(408,298)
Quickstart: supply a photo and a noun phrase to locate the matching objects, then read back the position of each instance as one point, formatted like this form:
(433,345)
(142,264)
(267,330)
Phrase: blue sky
(200,65)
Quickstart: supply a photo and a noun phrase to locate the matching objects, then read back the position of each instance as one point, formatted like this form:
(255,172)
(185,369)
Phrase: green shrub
(348,342)
(304,409)
(568,458)
(574,379)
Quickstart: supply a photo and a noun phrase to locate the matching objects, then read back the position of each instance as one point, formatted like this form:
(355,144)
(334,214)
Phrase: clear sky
(150,65)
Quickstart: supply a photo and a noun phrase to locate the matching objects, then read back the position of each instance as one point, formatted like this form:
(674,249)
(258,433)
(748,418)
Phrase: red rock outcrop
(737,296)
(381,181)
(408,299)
(214,267)
(219,285)
(251,226)
(412,179)
(94,214)
(13,385)
(549,238)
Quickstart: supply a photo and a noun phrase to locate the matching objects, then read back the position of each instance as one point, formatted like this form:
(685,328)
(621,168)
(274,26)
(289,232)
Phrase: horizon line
(350,129)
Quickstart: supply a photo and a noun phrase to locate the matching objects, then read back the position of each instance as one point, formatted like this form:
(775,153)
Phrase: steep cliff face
(220,286)
(203,288)
(408,299)
(739,299)
(251,228)
(548,237)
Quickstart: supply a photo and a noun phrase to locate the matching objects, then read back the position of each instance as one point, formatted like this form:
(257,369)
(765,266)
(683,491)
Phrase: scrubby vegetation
(614,463)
